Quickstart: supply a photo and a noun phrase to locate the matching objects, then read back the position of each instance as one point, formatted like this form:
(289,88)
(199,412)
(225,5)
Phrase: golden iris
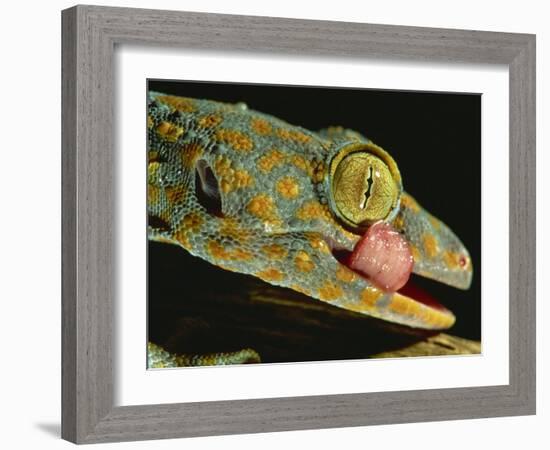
(364,188)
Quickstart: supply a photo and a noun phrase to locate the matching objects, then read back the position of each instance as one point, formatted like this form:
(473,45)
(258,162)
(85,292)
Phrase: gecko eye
(366,186)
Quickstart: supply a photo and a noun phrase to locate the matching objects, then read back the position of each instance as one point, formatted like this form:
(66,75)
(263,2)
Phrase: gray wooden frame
(90,34)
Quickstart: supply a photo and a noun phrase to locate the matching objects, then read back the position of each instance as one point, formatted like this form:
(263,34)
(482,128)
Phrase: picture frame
(89,37)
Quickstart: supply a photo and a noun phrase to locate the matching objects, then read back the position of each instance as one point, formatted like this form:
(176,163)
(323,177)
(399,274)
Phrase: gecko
(323,213)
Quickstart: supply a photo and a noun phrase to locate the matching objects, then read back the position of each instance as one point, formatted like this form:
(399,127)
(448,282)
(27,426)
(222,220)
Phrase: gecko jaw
(406,292)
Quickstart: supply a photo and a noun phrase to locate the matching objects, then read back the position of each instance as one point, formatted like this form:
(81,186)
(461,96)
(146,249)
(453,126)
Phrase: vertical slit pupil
(368,192)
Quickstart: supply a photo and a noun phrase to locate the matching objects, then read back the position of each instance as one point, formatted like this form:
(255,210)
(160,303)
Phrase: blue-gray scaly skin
(278,219)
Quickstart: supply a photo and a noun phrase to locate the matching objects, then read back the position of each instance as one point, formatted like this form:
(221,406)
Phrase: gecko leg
(159,358)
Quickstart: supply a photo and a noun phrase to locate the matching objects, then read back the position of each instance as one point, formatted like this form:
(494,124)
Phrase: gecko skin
(253,194)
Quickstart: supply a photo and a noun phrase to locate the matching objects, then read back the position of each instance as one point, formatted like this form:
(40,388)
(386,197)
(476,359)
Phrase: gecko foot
(159,358)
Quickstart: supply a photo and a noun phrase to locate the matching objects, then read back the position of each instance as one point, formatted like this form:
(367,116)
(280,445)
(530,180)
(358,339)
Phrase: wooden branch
(441,344)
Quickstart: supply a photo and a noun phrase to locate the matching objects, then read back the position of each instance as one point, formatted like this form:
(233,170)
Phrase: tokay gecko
(323,213)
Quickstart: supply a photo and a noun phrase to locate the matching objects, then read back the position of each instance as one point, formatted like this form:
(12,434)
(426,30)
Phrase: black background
(435,138)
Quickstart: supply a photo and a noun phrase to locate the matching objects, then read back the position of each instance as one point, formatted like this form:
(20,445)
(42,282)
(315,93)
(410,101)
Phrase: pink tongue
(383,256)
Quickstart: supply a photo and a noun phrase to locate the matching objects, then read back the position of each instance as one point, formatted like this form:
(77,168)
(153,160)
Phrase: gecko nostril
(207,189)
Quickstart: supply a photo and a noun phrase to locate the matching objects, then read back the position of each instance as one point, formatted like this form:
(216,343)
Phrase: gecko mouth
(382,257)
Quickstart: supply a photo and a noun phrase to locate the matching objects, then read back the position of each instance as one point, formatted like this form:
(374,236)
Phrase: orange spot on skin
(402,305)
(260,126)
(301,289)
(288,187)
(240,254)
(189,225)
(330,291)
(303,262)
(310,210)
(274,251)
(225,186)
(222,166)
(181,236)
(369,297)
(259,204)
(293,135)
(192,222)
(236,179)
(169,131)
(344,274)
(150,122)
(153,194)
(242,178)
(230,178)
(301,163)
(263,208)
(318,243)
(315,170)
(232,229)
(430,245)
(179,103)
(217,251)
(270,275)
(436,224)
(410,203)
(190,153)
(210,120)
(237,140)
(399,222)
(270,160)
(175,195)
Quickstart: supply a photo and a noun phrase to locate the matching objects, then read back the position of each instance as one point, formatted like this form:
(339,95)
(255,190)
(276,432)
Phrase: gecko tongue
(383,256)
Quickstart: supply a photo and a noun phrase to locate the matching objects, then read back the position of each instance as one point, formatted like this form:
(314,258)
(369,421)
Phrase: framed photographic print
(280,222)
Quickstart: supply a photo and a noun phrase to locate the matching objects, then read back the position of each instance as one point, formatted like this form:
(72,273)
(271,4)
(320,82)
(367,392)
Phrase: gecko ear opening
(207,189)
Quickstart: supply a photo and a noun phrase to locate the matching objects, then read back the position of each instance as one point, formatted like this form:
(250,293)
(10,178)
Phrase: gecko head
(395,236)
(371,227)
